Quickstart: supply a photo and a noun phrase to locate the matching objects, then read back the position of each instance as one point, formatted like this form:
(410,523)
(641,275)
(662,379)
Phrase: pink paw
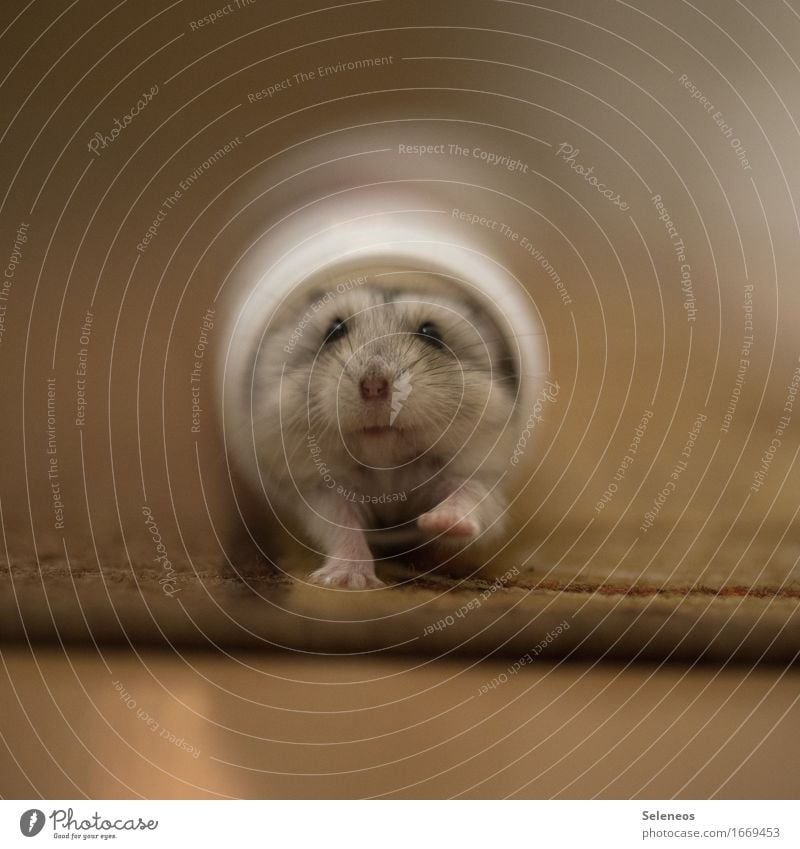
(346,575)
(449,522)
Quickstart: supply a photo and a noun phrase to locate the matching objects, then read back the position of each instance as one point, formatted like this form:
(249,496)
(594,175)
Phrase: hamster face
(384,376)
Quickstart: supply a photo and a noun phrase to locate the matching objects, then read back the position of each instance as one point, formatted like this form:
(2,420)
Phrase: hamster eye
(430,334)
(336,330)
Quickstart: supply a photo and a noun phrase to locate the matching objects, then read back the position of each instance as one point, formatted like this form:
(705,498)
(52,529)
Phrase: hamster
(378,409)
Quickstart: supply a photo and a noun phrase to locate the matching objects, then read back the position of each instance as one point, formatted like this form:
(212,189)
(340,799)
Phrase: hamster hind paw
(346,575)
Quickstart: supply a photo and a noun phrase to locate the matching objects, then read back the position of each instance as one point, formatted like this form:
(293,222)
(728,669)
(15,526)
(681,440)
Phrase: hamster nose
(374,387)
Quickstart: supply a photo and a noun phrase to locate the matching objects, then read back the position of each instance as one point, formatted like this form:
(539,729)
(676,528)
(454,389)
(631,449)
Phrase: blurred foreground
(155,725)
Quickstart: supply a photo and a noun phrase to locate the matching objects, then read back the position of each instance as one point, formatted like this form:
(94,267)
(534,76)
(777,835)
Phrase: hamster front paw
(449,521)
(346,575)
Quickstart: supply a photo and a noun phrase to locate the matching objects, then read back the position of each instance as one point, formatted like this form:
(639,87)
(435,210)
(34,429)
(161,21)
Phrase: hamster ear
(476,312)
(506,361)
(390,294)
(311,296)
